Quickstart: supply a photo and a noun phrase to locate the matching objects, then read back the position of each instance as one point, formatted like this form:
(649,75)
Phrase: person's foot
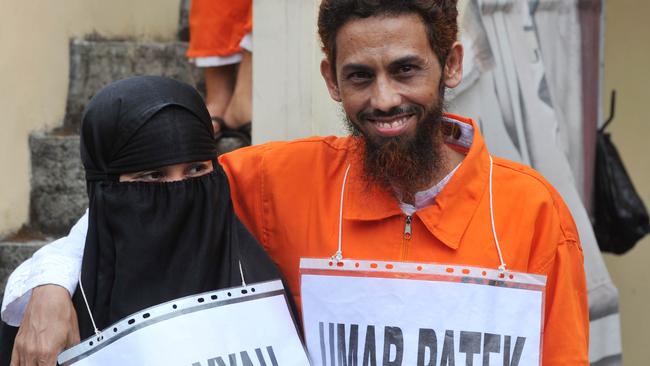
(241,133)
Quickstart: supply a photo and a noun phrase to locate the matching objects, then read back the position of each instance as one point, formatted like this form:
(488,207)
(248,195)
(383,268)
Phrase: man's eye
(359,76)
(405,69)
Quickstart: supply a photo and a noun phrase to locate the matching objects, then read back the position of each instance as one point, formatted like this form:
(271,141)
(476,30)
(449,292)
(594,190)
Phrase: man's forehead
(387,36)
(384,25)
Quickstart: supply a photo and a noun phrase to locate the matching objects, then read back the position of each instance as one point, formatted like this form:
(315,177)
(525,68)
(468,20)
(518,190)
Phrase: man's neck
(449,159)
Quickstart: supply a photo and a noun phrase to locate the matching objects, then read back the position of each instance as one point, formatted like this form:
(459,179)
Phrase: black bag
(620,217)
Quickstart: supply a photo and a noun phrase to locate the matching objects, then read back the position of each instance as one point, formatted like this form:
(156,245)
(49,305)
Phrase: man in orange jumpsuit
(418,187)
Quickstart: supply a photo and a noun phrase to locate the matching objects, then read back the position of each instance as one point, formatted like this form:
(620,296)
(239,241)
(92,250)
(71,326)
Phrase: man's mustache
(372,113)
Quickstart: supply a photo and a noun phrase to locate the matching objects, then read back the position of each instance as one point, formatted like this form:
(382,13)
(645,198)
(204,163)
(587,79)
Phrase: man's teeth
(394,124)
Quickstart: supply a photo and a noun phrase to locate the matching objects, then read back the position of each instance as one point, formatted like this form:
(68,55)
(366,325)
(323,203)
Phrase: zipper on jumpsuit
(406,237)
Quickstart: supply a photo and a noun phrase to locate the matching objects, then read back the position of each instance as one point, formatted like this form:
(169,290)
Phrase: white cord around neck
(90,314)
(502,266)
(241,273)
(338,256)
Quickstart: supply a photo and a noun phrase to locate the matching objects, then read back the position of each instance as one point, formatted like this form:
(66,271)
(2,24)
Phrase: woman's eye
(152,176)
(197,169)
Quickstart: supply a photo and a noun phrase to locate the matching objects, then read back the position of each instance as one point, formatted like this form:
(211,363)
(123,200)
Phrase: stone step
(13,253)
(96,63)
(58,187)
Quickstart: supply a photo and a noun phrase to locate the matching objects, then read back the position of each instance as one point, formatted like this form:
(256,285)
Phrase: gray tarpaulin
(523,84)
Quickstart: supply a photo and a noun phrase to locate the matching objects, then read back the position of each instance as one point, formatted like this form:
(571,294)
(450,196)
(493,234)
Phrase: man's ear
(330,80)
(453,70)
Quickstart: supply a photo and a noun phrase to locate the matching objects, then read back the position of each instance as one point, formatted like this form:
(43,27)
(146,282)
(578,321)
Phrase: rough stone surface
(96,63)
(11,255)
(58,195)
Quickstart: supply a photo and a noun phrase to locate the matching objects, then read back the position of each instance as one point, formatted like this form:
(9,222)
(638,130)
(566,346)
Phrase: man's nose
(385,95)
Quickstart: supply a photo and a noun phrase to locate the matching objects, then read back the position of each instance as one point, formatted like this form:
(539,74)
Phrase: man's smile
(392,125)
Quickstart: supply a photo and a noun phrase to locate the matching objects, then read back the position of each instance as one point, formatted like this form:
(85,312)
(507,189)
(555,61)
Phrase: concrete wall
(34,73)
(289,94)
(627,56)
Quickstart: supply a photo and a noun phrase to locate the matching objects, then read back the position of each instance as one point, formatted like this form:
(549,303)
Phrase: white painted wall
(289,96)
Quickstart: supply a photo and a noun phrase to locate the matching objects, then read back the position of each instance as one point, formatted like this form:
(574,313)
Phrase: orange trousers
(218,26)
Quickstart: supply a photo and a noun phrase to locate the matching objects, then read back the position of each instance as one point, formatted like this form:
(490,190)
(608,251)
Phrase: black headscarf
(148,243)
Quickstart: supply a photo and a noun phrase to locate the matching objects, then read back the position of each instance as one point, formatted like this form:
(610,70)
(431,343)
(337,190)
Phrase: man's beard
(404,163)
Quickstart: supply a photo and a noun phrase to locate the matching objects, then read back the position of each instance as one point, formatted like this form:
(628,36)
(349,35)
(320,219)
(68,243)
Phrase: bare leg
(219,85)
(240,110)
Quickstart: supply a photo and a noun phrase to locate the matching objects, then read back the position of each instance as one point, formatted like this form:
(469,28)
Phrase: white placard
(247,326)
(382,313)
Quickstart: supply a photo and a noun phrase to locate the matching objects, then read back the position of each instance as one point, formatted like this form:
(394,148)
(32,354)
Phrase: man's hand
(48,327)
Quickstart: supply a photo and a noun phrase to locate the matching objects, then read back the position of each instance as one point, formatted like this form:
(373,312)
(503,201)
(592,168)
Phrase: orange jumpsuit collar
(450,215)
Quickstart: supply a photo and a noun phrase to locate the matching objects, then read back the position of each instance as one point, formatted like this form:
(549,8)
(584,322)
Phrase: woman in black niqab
(151,242)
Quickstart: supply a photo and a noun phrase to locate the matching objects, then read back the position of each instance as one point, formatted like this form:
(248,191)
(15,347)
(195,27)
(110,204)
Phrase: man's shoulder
(527,187)
(294,150)
(311,144)
(288,161)
(520,174)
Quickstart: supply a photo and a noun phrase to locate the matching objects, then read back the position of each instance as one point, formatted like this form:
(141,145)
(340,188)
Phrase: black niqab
(119,134)
(148,243)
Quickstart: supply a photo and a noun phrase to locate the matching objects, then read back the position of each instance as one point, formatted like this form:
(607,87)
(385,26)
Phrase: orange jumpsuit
(287,194)
(218,26)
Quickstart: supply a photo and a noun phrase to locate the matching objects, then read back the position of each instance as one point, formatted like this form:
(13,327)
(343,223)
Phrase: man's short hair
(439,17)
